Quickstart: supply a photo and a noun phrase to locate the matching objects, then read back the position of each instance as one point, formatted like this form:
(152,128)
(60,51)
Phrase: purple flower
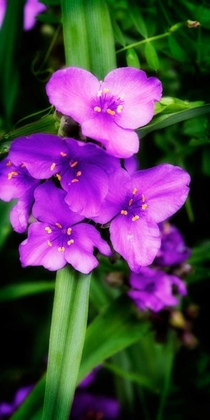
(87,405)
(31,9)
(173,249)
(153,289)
(94,407)
(134,210)
(107,111)
(58,237)
(82,169)
(7,409)
(17,183)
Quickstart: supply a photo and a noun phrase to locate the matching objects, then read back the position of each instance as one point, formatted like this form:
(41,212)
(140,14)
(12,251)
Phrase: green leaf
(46,124)
(88,36)
(112,330)
(118,34)
(5,225)
(10,41)
(132,58)
(137,19)
(67,334)
(100,35)
(165,120)
(176,51)
(18,291)
(151,56)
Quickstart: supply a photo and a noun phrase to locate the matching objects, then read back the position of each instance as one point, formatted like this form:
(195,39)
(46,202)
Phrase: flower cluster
(155,287)
(76,196)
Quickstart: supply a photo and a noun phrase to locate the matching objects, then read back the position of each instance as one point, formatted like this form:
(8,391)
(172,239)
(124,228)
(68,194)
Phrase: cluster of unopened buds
(76,195)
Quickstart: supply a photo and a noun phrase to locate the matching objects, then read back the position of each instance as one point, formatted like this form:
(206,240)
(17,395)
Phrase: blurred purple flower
(173,249)
(7,409)
(94,407)
(17,183)
(153,289)
(107,111)
(82,169)
(58,237)
(31,9)
(91,406)
(134,211)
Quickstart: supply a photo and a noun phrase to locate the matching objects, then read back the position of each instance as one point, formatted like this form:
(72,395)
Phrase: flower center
(134,205)
(59,235)
(108,103)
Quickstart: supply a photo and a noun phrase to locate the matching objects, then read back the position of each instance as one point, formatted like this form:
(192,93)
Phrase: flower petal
(117,141)
(85,196)
(138,242)
(138,92)
(40,153)
(34,251)
(71,91)
(165,188)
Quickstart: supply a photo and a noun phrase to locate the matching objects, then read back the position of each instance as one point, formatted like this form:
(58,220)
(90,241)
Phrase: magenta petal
(40,153)
(165,188)
(138,93)
(35,251)
(85,195)
(117,141)
(138,242)
(71,90)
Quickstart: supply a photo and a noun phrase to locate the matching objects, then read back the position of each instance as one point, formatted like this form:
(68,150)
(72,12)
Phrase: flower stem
(67,335)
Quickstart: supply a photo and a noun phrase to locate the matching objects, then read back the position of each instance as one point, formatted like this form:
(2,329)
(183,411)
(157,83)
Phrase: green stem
(67,335)
(144,41)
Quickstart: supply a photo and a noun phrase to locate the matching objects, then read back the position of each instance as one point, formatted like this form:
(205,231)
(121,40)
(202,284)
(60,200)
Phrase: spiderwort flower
(17,183)
(7,409)
(173,249)
(134,211)
(153,289)
(58,237)
(107,111)
(31,9)
(82,169)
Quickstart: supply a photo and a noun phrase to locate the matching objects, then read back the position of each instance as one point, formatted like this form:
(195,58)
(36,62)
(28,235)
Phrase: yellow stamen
(48,230)
(49,243)
(134,191)
(53,166)
(11,174)
(144,206)
(99,93)
(143,197)
(61,249)
(63,154)
(71,241)
(134,218)
(75,180)
(97,109)
(124,212)
(122,96)
(106,90)
(69,230)
(58,225)
(119,108)
(73,164)
(23,166)
(79,173)
(58,176)
(110,112)
(130,202)
(9,163)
